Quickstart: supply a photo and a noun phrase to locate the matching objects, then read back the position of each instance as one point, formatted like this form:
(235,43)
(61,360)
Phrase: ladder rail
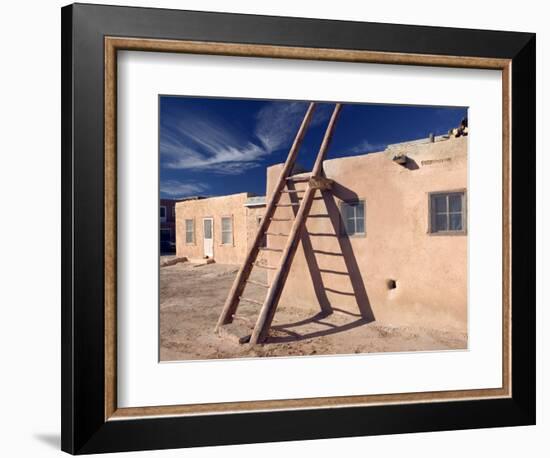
(269,306)
(232,300)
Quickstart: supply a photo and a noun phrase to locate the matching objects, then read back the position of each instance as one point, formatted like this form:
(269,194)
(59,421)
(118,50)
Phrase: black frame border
(84,429)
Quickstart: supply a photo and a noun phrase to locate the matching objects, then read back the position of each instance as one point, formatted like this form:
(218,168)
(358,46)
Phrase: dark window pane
(360,210)
(350,226)
(360,225)
(347,211)
(353,217)
(439,204)
(440,223)
(447,212)
(455,202)
(455,220)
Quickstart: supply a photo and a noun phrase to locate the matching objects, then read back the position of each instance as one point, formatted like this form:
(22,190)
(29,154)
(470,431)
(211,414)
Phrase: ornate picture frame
(92,35)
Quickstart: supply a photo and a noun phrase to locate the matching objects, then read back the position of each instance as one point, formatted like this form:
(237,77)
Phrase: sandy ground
(192,297)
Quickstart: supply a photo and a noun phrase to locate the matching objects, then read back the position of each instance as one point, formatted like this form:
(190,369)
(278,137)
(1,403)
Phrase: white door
(208,231)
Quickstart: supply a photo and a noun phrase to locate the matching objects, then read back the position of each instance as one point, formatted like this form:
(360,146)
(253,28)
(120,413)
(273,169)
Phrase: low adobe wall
(352,273)
(216,208)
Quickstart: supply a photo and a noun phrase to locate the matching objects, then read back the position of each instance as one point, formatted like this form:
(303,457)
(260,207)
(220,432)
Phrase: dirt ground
(191,299)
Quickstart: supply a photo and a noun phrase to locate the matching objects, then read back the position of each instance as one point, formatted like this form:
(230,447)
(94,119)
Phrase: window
(163,213)
(227,230)
(189,231)
(353,217)
(447,213)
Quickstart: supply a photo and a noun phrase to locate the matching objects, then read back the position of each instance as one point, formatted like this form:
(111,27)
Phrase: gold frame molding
(114,44)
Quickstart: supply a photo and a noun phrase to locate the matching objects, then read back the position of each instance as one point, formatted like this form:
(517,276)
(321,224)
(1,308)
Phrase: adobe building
(388,242)
(167,222)
(220,228)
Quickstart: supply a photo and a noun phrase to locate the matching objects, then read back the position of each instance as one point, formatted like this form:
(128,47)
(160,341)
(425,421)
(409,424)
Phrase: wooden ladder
(315,180)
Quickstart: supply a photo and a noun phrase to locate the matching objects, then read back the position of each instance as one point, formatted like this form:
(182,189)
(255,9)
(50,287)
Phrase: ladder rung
(281,219)
(292,204)
(252,301)
(298,178)
(263,266)
(264,248)
(318,216)
(329,253)
(257,283)
(336,272)
(279,234)
(292,191)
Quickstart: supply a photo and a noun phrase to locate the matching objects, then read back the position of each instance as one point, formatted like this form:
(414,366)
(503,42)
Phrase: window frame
(343,229)
(464,230)
(232,242)
(164,218)
(185,231)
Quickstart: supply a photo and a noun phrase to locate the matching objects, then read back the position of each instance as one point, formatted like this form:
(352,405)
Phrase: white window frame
(230,218)
(192,232)
(343,217)
(431,213)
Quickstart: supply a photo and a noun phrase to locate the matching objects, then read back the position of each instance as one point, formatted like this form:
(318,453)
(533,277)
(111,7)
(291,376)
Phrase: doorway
(208,239)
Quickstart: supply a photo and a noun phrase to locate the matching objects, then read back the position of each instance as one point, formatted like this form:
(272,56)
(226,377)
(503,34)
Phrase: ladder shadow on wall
(364,313)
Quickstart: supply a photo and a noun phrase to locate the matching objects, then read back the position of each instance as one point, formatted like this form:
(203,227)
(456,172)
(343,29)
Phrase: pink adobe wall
(430,270)
(244,226)
(215,207)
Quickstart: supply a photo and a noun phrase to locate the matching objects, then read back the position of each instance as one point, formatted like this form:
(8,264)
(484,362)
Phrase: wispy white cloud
(208,143)
(174,188)
(365,146)
(277,124)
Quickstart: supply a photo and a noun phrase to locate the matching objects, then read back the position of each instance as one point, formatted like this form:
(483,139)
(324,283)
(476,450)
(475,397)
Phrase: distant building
(167,226)
(167,215)
(222,228)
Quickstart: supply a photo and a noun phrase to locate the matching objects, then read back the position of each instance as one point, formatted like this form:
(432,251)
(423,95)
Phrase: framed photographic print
(280,228)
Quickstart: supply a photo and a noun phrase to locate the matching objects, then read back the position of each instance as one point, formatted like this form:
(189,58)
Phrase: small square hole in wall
(391,284)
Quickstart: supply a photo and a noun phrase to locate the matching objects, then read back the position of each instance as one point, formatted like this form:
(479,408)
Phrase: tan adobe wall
(252,224)
(215,207)
(430,270)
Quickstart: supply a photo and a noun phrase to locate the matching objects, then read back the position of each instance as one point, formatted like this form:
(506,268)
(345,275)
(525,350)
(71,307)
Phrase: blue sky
(217,146)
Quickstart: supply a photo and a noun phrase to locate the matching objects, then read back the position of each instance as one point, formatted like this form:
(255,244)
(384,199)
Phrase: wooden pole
(274,293)
(232,300)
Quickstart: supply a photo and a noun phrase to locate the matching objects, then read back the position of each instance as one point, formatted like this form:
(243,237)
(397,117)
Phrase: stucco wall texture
(430,271)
